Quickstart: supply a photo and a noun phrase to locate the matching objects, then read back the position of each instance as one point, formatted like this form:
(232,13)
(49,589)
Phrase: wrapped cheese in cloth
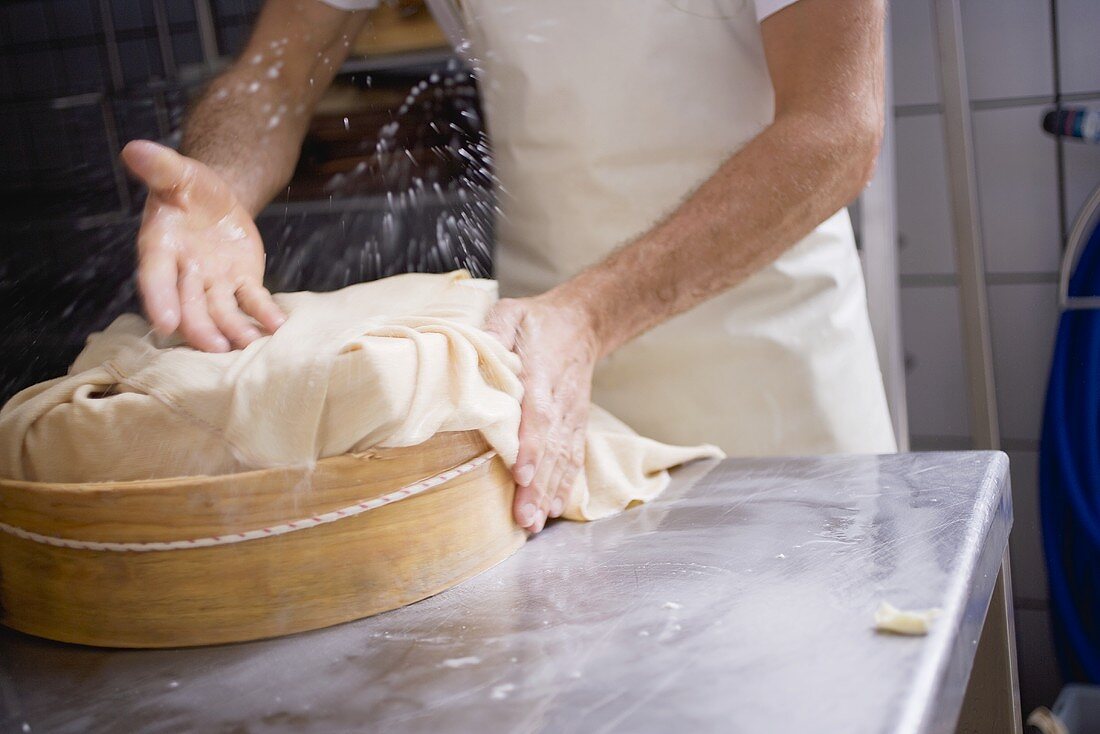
(388,374)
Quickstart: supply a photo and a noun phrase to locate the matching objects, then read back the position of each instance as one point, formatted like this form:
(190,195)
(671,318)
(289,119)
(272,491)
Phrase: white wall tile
(935,379)
(1017,190)
(1008,48)
(924,209)
(1082,173)
(1040,679)
(1024,321)
(1078,23)
(913,54)
(1029,571)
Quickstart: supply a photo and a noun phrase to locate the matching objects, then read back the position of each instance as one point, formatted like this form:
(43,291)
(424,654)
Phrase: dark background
(79,78)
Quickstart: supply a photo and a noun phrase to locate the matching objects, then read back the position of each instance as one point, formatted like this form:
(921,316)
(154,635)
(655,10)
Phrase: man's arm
(249,123)
(200,257)
(826,63)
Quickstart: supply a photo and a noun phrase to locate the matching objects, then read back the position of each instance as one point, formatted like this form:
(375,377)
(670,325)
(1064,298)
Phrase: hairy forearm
(249,123)
(762,200)
(249,131)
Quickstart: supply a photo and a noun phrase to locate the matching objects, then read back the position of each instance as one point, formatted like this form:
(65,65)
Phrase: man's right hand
(200,257)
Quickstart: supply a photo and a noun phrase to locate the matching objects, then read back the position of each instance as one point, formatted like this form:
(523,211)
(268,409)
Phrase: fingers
(550,491)
(544,483)
(184,221)
(572,466)
(229,319)
(551,455)
(536,420)
(549,486)
(196,325)
(210,319)
(157,282)
(556,376)
(228,311)
(160,168)
(558,490)
(256,301)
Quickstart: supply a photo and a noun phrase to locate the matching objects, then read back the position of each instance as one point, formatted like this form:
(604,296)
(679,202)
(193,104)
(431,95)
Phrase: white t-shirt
(764,8)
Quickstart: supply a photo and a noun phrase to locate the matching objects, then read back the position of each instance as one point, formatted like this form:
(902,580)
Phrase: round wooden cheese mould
(318,576)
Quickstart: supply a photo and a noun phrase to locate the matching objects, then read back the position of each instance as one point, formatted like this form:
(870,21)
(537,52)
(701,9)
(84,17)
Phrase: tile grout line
(962,443)
(934,108)
(918,280)
(1059,141)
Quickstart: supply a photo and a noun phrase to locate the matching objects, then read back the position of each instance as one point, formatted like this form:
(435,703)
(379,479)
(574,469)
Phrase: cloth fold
(388,363)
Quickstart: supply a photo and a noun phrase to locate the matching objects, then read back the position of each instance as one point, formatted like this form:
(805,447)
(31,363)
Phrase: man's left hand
(558,348)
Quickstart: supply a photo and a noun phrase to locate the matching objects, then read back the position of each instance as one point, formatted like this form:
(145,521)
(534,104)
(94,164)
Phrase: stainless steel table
(740,601)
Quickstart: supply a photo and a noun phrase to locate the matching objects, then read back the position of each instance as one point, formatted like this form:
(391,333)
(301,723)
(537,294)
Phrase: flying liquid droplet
(501,692)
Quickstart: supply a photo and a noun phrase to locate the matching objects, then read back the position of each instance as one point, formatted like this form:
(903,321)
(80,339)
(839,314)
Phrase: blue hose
(1069,478)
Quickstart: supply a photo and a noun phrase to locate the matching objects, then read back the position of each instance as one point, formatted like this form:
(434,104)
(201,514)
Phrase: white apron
(603,115)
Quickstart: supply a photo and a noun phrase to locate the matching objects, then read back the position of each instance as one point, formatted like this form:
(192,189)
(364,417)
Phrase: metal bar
(1004,607)
(992,701)
(430,57)
(377,204)
(110,45)
(111,127)
(110,124)
(85,99)
(160,110)
(69,223)
(966,221)
(168,66)
(164,41)
(879,230)
(208,36)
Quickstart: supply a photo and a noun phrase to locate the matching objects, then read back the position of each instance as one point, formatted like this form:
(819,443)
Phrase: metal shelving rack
(80,79)
(178,81)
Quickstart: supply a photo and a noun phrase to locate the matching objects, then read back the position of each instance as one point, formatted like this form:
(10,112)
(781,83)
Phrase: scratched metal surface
(741,601)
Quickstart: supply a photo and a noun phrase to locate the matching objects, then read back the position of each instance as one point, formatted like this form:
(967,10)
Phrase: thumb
(160,168)
(503,321)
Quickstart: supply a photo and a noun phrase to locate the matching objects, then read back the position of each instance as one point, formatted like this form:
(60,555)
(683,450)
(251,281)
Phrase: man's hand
(200,257)
(557,346)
